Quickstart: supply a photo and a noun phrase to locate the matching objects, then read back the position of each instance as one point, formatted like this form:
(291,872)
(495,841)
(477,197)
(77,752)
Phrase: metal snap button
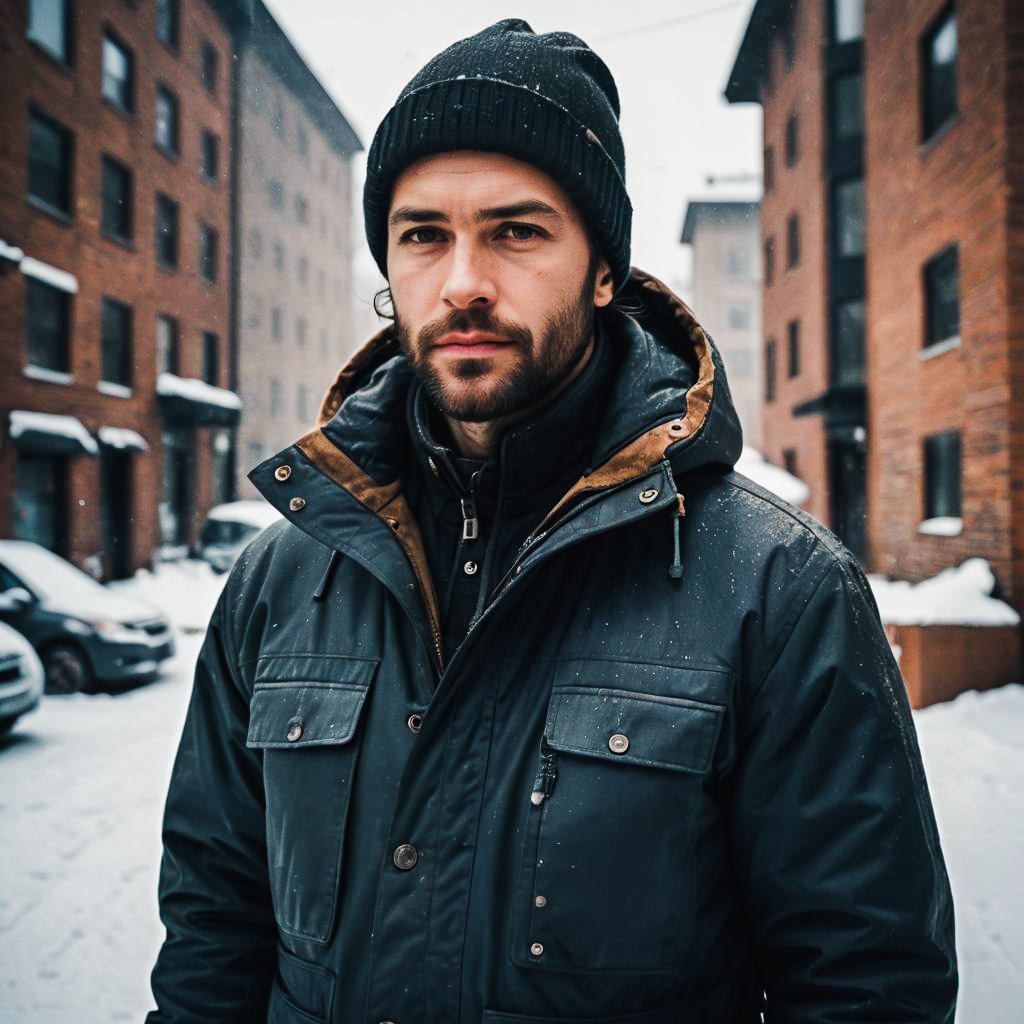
(536,949)
(405,857)
(540,901)
(414,721)
(648,495)
(294,732)
(297,504)
(283,472)
(618,744)
(470,568)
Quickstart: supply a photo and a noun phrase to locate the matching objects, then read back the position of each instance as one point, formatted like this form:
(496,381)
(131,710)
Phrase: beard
(540,369)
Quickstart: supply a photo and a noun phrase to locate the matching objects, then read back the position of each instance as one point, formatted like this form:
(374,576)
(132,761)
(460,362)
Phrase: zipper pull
(470,523)
(544,784)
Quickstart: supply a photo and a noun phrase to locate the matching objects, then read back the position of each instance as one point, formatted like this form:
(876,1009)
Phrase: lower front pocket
(301,992)
(662,1015)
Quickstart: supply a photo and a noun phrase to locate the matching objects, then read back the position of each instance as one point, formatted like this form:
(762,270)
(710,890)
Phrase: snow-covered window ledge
(939,347)
(941,526)
(53,276)
(45,373)
(108,387)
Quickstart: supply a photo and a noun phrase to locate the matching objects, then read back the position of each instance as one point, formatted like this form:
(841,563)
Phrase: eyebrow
(528,207)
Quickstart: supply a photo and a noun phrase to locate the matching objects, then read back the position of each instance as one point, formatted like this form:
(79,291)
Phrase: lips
(474,343)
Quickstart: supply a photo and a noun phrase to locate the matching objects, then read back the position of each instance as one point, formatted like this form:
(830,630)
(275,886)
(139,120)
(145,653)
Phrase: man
(533,710)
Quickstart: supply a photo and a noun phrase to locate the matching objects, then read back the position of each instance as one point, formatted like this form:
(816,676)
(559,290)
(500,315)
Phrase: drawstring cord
(675,570)
(325,580)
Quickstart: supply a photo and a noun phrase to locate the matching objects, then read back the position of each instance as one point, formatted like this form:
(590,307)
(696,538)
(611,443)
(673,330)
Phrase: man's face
(493,282)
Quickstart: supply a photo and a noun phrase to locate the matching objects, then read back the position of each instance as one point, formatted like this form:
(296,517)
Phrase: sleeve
(217,961)
(832,829)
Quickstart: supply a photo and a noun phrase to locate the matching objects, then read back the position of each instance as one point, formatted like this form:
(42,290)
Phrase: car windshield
(48,575)
(222,531)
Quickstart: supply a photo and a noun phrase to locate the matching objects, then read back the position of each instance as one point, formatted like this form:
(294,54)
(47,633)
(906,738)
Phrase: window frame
(172,362)
(929,269)
(65,59)
(63,327)
(793,348)
(841,186)
(111,36)
(950,504)
(770,370)
(207,137)
(111,163)
(211,357)
(174,208)
(792,241)
(123,311)
(792,139)
(209,80)
(66,137)
(173,40)
(931,123)
(164,91)
(209,255)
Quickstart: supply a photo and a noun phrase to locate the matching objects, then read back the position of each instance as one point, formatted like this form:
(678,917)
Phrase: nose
(469,282)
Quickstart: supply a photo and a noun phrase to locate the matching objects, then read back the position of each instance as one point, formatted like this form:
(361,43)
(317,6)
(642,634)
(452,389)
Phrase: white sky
(670,59)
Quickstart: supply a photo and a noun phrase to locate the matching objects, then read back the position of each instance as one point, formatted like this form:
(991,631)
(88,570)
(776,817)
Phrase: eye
(416,236)
(520,232)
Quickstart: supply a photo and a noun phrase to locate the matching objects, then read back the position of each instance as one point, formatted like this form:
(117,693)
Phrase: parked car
(229,528)
(83,632)
(21,677)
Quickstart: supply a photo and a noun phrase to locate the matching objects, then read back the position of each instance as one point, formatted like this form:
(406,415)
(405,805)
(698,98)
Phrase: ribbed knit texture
(548,100)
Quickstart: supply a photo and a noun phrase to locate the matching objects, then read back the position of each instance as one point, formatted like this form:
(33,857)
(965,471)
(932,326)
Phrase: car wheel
(65,670)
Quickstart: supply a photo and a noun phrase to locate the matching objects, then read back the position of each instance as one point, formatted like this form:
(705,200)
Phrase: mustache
(473,319)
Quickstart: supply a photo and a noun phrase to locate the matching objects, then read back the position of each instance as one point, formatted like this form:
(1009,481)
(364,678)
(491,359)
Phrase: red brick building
(115,257)
(893,221)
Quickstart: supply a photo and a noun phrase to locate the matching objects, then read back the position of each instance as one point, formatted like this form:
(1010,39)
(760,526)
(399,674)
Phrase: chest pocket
(304,716)
(604,884)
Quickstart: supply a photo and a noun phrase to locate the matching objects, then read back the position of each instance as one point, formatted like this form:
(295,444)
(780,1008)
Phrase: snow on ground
(82,786)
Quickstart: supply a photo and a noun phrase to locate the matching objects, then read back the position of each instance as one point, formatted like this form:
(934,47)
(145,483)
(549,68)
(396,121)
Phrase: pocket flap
(636,728)
(304,713)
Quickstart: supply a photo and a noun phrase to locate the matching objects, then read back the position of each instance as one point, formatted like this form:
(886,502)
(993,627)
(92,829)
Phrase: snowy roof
(194,390)
(772,478)
(122,439)
(956,597)
(250,513)
(52,276)
(24,422)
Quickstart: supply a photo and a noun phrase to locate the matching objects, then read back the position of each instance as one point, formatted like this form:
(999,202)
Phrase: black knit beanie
(547,100)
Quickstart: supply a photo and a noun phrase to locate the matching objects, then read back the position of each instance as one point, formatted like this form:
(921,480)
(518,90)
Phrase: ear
(604,288)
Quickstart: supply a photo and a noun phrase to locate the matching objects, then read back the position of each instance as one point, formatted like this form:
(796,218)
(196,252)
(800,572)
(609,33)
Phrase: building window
(848,20)
(320,282)
(302,402)
(769,168)
(210,156)
(300,331)
(942,473)
(769,261)
(848,359)
(177,485)
(40,499)
(211,358)
(207,253)
(769,370)
(275,323)
(49,162)
(255,243)
(942,296)
(792,240)
(166,344)
(166,119)
(275,397)
(789,46)
(792,140)
(793,348)
(117,198)
(118,72)
(277,120)
(938,64)
(302,140)
(848,106)
(209,66)
(48,27)
(737,262)
(737,313)
(167,22)
(789,463)
(222,452)
(276,190)
(849,215)
(117,342)
(303,270)
(47,325)
(301,209)
(278,256)
(166,224)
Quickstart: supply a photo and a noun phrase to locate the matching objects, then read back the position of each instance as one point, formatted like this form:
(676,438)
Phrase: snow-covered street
(82,784)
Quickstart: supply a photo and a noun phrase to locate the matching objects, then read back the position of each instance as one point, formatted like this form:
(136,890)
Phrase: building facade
(115,252)
(295,260)
(725,238)
(893,237)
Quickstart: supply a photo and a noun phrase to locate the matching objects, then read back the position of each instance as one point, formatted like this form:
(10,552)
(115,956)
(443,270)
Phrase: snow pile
(942,526)
(185,591)
(123,439)
(956,597)
(23,422)
(753,464)
(259,514)
(194,390)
